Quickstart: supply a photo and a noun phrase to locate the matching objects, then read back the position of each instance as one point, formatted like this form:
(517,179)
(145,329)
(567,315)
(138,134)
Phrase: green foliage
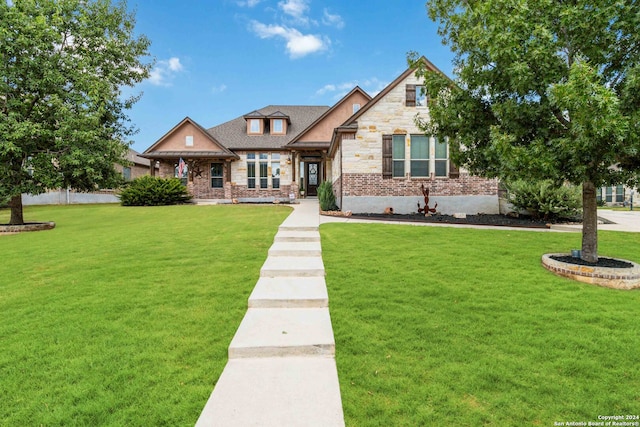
(151,191)
(545,199)
(326,197)
(63,121)
(546,89)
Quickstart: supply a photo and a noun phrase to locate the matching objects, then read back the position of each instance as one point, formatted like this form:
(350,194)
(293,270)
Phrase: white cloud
(298,44)
(372,86)
(294,8)
(165,71)
(219,89)
(332,20)
(248,3)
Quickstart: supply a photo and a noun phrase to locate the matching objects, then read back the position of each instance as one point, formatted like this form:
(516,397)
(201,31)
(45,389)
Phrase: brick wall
(373,185)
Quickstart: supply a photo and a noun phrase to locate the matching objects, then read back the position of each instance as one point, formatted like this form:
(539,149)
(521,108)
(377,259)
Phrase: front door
(313,176)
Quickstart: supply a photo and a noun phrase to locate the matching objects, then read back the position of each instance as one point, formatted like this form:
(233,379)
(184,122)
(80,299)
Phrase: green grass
(446,326)
(123,316)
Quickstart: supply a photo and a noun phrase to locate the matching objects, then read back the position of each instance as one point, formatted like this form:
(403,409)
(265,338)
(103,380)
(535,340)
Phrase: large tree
(545,89)
(62,66)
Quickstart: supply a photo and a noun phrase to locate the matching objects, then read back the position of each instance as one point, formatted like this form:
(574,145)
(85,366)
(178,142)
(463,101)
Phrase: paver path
(282,369)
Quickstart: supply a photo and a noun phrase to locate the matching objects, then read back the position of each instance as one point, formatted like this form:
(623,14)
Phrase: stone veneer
(616,278)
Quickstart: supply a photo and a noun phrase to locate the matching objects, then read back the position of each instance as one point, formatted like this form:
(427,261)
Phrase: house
(138,166)
(381,159)
(369,148)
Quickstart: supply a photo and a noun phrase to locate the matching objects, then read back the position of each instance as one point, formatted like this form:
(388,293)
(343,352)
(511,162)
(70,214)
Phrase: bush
(150,191)
(326,197)
(544,199)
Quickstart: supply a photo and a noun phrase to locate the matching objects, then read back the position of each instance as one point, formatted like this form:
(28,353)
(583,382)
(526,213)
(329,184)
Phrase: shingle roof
(233,134)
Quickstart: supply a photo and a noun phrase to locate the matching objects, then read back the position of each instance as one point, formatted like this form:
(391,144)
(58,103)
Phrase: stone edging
(615,278)
(34,226)
(335,213)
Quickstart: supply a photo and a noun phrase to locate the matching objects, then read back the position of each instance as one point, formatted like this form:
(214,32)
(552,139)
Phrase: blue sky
(220,59)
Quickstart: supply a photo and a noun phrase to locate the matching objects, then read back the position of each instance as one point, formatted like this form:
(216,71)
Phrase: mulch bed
(483,219)
(602,262)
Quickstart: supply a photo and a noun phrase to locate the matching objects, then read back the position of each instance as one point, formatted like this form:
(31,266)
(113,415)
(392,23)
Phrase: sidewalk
(281,369)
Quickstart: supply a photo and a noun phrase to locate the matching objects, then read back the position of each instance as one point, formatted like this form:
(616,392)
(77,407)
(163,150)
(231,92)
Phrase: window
(126,173)
(188,141)
(441,158)
(609,195)
(251,170)
(216,175)
(254,126)
(419,156)
(356,107)
(619,194)
(264,166)
(421,96)
(275,170)
(398,155)
(416,96)
(599,194)
(277,126)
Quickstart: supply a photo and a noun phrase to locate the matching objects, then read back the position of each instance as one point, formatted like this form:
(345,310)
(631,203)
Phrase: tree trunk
(589,222)
(15,204)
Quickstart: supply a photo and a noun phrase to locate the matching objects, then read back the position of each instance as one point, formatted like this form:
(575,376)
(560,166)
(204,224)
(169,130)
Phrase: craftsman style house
(370,149)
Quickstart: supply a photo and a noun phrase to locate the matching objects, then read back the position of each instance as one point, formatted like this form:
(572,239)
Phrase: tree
(546,89)
(62,121)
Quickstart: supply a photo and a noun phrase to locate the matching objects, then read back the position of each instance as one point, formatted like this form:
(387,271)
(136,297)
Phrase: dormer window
(254,126)
(277,127)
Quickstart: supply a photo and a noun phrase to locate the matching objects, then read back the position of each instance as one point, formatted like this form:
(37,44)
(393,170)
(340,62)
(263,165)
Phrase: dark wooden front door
(313,178)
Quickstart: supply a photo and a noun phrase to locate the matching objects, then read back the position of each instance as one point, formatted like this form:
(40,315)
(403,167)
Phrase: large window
(441,158)
(275,170)
(619,193)
(126,173)
(609,194)
(419,156)
(398,155)
(264,170)
(251,170)
(216,175)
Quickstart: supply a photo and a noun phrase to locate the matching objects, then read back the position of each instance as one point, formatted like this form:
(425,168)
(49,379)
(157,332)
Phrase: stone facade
(360,185)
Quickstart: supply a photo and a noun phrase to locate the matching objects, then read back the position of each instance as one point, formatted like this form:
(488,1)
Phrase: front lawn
(445,326)
(123,316)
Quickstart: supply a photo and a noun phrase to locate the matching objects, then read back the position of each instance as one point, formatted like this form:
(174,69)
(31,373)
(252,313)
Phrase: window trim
(216,177)
(283,131)
(250,130)
(426,160)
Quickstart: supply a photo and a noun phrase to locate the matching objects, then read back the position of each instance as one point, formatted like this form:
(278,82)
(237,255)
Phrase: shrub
(326,197)
(544,199)
(150,191)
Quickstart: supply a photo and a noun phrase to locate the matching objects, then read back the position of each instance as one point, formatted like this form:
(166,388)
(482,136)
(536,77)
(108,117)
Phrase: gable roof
(234,132)
(351,124)
(389,88)
(326,113)
(222,153)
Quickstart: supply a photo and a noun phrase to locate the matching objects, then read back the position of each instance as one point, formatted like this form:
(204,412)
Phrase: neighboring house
(138,167)
(370,149)
(617,196)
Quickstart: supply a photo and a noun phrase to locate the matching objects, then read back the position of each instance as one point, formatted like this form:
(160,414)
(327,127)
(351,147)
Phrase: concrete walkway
(281,369)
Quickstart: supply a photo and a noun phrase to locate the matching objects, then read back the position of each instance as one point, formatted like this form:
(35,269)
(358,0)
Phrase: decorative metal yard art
(426,210)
